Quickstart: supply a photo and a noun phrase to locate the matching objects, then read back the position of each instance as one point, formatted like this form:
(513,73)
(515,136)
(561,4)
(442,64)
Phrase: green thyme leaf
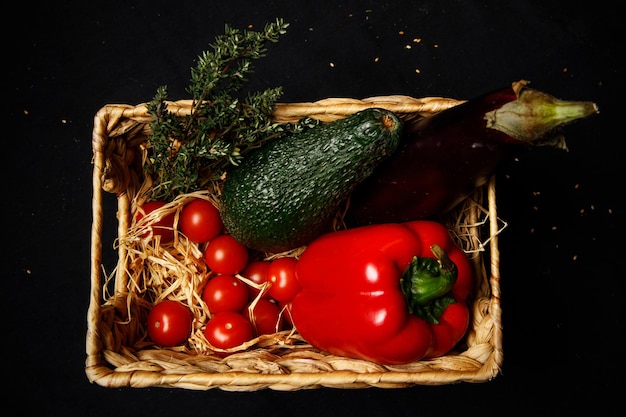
(188,153)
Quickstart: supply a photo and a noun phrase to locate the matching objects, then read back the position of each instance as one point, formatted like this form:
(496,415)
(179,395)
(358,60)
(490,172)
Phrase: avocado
(286,193)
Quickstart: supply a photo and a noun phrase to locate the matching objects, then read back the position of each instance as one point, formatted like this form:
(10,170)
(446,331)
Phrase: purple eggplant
(442,159)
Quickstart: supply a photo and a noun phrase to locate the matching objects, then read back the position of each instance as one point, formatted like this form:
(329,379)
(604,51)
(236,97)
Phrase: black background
(561,258)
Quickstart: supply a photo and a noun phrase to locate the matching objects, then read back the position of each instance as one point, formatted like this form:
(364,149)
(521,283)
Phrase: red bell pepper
(387,293)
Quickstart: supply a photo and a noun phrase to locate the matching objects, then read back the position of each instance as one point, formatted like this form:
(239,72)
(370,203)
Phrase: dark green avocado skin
(286,193)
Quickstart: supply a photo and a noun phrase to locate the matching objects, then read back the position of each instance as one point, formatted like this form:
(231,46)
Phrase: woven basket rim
(129,121)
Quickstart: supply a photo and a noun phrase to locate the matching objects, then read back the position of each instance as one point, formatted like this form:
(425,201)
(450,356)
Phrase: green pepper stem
(427,280)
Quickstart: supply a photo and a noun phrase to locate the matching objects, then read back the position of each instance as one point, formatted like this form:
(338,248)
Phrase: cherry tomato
(256,271)
(169,323)
(285,309)
(163,227)
(225,293)
(228,329)
(225,255)
(282,275)
(265,317)
(200,221)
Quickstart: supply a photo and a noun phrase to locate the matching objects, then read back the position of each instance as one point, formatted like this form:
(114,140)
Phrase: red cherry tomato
(282,275)
(225,255)
(256,271)
(228,329)
(285,309)
(265,317)
(225,293)
(163,227)
(169,323)
(200,221)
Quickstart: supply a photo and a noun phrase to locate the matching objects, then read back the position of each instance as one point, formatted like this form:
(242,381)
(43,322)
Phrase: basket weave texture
(119,355)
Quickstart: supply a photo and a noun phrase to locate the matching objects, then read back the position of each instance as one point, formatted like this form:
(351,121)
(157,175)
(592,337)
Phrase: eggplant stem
(535,116)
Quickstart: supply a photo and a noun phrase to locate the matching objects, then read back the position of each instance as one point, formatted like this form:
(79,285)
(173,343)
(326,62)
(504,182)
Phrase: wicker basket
(119,356)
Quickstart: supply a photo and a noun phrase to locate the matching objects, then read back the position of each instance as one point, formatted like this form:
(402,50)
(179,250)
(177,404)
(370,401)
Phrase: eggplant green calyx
(426,283)
(535,117)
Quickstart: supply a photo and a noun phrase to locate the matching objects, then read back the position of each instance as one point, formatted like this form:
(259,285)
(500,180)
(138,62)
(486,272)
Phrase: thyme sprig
(189,152)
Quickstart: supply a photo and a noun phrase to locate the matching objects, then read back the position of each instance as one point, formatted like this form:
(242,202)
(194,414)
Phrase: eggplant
(443,158)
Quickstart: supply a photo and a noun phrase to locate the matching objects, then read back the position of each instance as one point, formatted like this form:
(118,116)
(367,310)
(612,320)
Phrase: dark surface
(560,254)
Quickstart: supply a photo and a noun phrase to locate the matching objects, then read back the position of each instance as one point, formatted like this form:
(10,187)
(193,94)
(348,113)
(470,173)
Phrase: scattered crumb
(417,70)
(376,59)
(575,257)
(417,40)
(332,65)
(553,228)
(25,112)
(401,32)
